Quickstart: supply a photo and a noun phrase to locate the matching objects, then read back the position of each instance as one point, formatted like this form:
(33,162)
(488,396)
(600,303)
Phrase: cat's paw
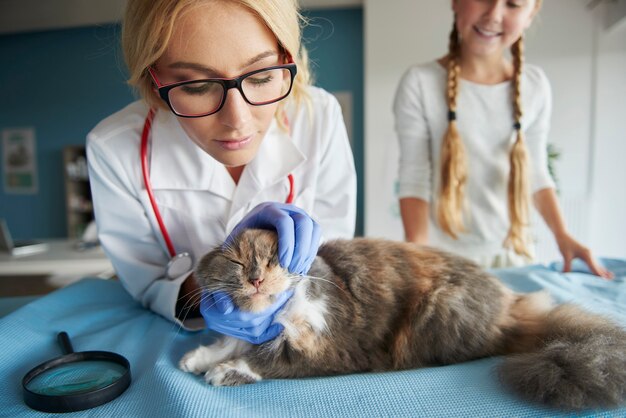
(231,373)
(194,362)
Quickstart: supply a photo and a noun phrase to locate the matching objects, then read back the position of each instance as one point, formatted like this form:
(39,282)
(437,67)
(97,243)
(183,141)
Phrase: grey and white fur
(377,305)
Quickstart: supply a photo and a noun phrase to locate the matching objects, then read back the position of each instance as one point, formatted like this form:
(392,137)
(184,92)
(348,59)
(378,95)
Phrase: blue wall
(64,82)
(334,39)
(61,83)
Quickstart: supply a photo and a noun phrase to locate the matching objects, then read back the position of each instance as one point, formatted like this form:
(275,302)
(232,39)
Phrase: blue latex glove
(298,234)
(221,315)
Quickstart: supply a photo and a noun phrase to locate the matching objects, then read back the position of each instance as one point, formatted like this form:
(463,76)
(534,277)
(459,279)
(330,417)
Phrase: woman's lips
(488,34)
(235,144)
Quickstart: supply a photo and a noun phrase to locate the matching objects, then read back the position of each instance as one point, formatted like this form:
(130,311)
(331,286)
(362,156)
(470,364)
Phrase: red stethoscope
(180,263)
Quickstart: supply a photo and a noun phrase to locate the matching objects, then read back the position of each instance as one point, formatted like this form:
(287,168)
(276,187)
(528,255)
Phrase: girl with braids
(473,130)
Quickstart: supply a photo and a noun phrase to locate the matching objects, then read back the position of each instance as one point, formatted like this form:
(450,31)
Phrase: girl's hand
(570,249)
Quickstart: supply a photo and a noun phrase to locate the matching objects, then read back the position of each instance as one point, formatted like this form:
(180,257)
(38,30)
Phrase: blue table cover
(99,315)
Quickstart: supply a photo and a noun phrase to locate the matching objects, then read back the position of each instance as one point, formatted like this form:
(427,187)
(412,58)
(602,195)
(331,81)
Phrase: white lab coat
(198,200)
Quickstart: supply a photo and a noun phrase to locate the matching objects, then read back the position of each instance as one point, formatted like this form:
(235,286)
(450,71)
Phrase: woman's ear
(287,57)
(453,5)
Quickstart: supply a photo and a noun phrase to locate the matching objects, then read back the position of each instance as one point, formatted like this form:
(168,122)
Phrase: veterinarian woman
(229,134)
(473,129)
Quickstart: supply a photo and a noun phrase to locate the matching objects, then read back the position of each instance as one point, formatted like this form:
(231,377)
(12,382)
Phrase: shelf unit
(78,205)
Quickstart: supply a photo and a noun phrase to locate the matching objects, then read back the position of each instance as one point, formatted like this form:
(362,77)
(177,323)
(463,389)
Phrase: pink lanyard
(146,180)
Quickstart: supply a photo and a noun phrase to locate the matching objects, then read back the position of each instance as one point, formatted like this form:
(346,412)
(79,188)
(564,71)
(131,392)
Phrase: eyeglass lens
(204,97)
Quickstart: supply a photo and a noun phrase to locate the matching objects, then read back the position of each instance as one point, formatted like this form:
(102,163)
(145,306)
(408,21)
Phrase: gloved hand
(298,234)
(221,315)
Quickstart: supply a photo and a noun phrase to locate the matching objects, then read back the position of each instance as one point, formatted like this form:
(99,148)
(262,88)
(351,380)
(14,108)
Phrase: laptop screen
(6,242)
(18,248)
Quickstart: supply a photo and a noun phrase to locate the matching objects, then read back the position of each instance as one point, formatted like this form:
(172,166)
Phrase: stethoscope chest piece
(178,265)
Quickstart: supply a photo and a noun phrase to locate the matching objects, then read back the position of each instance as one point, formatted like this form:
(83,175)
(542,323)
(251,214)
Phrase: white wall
(608,202)
(397,34)
(585,70)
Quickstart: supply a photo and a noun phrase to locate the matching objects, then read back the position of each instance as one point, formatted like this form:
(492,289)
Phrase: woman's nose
(495,10)
(236,111)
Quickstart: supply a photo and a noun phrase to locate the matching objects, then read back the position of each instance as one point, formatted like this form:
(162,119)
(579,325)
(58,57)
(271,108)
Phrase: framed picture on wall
(19,161)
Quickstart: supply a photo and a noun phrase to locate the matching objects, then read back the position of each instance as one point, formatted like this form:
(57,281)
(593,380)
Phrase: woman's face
(221,39)
(489,27)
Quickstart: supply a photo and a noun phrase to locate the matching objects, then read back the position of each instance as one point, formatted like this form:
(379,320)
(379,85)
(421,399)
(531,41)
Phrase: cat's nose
(256,282)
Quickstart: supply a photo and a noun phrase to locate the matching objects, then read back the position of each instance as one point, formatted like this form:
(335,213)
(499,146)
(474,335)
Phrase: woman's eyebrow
(259,57)
(214,72)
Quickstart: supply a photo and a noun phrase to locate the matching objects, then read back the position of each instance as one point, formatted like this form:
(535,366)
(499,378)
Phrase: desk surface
(60,259)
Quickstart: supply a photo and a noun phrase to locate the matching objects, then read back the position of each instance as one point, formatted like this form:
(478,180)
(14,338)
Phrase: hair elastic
(451,115)
(517,126)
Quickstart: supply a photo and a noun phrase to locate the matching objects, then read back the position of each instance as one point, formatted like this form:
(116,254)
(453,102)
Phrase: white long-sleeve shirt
(485,122)
(197,198)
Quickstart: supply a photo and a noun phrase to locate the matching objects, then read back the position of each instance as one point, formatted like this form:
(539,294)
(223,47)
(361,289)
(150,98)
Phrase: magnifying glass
(76,380)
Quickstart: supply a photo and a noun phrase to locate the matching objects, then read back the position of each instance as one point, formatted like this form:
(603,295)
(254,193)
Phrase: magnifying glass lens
(76,378)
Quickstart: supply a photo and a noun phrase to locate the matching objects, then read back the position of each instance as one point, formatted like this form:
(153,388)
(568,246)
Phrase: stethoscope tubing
(146,180)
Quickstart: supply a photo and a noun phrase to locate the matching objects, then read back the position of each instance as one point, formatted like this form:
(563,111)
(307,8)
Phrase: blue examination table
(99,315)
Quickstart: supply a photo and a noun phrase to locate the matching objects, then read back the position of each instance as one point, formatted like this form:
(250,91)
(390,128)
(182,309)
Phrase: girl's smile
(488,28)
(487,34)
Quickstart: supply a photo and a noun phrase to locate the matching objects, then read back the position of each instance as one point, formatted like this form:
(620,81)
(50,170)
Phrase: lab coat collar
(176,162)
(276,158)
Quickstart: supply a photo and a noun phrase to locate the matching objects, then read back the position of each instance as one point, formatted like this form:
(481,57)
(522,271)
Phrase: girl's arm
(415,164)
(414,214)
(547,204)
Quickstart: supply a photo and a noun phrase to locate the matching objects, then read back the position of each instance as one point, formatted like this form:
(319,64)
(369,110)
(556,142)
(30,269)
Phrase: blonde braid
(518,191)
(453,159)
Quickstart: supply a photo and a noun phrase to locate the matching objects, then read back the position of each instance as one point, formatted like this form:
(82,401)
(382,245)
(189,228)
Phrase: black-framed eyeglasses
(198,98)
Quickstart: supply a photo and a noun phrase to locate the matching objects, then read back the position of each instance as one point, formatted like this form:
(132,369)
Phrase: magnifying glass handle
(64,341)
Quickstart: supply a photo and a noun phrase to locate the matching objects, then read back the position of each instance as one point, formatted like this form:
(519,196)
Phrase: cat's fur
(376,305)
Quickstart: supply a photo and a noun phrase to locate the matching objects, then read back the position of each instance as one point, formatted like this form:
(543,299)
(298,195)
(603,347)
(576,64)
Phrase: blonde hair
(453,174)
(148,26)
(453,160)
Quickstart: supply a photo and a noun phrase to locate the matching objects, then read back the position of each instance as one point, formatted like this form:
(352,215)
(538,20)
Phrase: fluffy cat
(376,305)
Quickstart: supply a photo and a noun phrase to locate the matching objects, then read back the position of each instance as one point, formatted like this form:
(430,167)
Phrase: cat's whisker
(190,296)
(322,279)
(195,296)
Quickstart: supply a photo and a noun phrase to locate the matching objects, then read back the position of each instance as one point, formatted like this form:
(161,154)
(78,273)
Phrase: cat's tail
(579,362)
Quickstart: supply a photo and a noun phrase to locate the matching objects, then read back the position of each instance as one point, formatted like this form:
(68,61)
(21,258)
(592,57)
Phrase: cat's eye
(236,263)
(273,261)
